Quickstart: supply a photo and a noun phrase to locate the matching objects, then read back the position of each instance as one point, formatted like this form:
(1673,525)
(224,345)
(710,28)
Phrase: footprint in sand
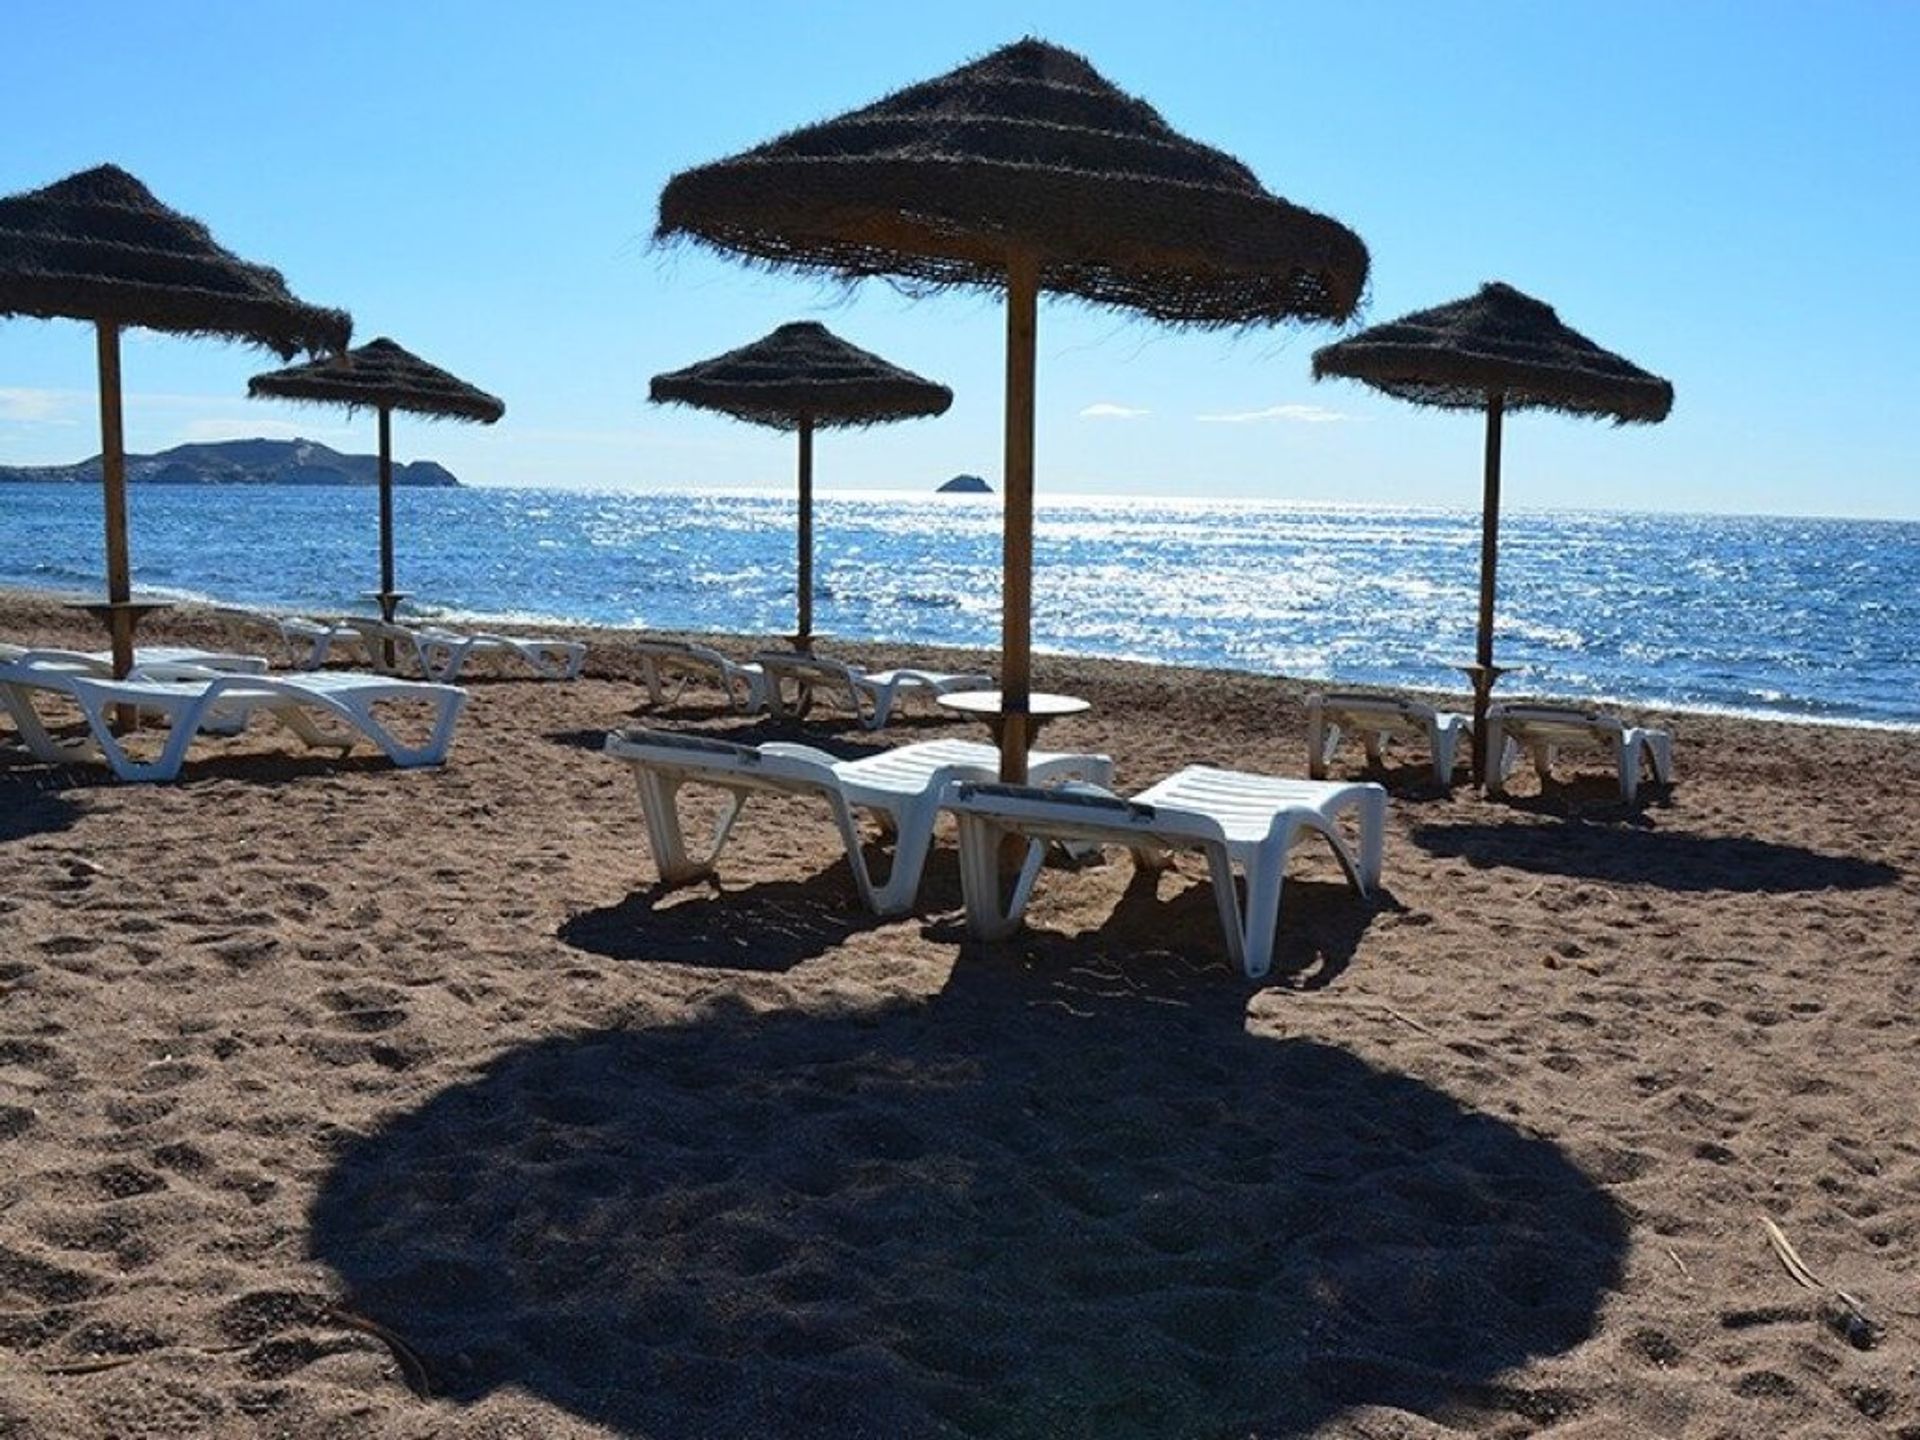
(30,1054)
(26,1280)
(70,944)
(365,1009)
(122,1180)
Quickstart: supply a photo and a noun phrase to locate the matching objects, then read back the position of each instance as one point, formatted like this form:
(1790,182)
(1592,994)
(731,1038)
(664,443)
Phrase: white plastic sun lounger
(1378,719)
(440,654)
(188,697)
(1544,730)
(902,786)
(99,664)
(870,696)
(1233,818)
(662,661)
(312,641)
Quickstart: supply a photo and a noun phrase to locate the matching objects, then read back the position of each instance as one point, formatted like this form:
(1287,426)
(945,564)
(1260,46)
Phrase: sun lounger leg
(1499,757)
(912,831)
(1627,758)
(1373,840)
(182,721)
(650,673)
(1322,740)
(554,660)
(1239,927)
(18,701)
(1543,757)
(1660,751)
(988,918)
(1152,860)
(659,807)
(802,702)
(441,661)
(293,718)
(318,648)
(358,712)
(1446,743)
(849,828)
(754,698)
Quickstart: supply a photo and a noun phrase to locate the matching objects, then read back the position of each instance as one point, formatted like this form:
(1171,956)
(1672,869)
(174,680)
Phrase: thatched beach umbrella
(97,246)
(800,377)
(1026,169)
(1502,350)
(384,377)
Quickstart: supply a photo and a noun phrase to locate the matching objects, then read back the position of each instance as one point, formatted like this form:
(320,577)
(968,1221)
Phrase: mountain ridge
(242,462)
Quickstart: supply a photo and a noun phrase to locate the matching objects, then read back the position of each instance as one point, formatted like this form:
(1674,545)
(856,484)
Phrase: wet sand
(343,1101)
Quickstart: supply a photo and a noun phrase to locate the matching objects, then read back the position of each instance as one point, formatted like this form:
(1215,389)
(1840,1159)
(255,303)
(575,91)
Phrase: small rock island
(965,485)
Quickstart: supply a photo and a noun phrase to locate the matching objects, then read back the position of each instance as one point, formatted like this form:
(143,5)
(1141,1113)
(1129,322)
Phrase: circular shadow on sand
(30,805)
(1036,1206)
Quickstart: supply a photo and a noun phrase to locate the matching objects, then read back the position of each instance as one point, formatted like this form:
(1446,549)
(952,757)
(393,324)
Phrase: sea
(1791,619)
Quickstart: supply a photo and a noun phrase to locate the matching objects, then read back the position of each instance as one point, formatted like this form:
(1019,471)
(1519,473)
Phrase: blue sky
(1728,194)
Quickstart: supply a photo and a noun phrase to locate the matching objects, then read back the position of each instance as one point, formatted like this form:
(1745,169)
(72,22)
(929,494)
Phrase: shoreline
(610,634)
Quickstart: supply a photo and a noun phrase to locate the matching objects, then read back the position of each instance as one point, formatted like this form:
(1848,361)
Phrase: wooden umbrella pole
(387,598)
(1489,559)
(803,627)
(113,480)
(1016,617)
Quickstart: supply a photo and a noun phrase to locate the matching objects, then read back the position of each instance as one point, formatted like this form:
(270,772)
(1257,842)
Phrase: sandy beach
(337,1100)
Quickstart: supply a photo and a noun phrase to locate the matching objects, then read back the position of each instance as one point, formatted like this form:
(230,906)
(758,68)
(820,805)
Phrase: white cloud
(22,406)
(1107,410)
(1293,414)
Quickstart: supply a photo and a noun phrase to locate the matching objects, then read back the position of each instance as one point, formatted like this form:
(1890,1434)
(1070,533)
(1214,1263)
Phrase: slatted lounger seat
(1544,730)
(1233,818)
(903,787)
(870,696)
(440,654)
(1378,719)
(188,697)
(665,661)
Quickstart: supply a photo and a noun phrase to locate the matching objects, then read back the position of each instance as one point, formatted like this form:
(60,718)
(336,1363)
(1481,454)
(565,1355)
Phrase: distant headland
(965,485)
(242,462)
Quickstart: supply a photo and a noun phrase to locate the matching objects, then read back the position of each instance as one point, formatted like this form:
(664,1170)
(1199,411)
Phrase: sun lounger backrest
(1560,715)
(1072,795)
(816,664)
(1400,705)
(691,744)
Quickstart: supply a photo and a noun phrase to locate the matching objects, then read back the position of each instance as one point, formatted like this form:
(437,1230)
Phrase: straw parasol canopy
(98,246)
(385,377)
(1025,169)
(1499,350)
(802,377)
